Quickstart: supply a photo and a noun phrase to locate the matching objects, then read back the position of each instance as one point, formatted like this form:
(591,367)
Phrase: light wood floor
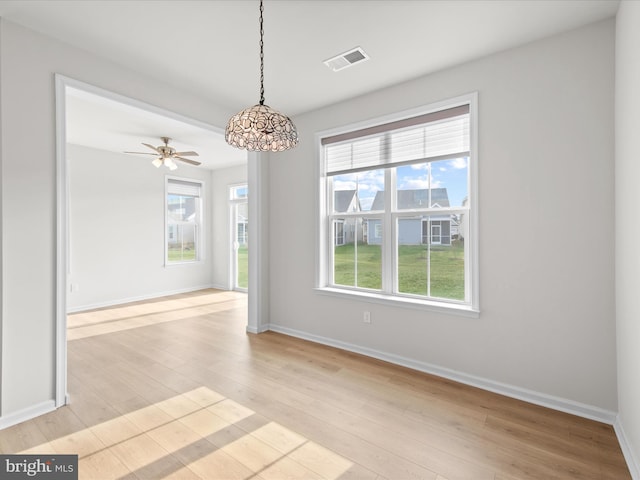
(175,388)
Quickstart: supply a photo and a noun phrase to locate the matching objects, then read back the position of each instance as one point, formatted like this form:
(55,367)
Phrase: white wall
(28,62)
(116,216)
(546,145)
(221,245)
(546,165)
(628,229)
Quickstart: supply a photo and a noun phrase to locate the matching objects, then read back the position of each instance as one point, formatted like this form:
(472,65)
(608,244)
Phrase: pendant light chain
(261,128)
(261,55)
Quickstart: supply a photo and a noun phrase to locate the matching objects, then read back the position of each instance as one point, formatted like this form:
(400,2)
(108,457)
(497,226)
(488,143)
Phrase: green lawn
(243,266)
(447,269)
(180,255)
(189,255)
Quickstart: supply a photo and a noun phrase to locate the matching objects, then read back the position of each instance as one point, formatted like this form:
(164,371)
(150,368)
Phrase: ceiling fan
(167,155)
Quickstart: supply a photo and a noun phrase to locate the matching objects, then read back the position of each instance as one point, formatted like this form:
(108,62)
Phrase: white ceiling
(96,121)
(211,47)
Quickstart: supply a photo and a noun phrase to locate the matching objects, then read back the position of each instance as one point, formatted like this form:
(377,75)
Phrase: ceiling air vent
(346,59)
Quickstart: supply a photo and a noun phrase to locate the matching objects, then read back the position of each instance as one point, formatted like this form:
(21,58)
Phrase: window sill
(178,264)
(403,302)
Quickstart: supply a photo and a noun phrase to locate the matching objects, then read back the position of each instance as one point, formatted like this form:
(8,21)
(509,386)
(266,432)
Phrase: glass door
(240,237)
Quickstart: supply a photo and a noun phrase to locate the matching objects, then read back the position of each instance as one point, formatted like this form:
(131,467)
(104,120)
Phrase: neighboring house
(181,221)
(434,229)
(345,229)
(242,224)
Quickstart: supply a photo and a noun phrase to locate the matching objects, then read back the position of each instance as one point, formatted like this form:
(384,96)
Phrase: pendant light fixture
(261,128)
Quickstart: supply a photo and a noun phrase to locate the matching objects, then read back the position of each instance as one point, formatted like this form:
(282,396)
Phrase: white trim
(399,300)
(633,463)
(324,246)
(322,249)
(537,398)
(27,414)
(335,223)
(256,330)
(473,254)
(62,242)
(132,102)
(150,296)
(389,243)
(233,253)
(431,240)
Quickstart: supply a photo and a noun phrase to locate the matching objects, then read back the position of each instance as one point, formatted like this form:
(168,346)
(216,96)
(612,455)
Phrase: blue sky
(449,174)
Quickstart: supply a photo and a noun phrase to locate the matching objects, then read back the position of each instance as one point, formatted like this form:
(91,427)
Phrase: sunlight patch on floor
(200,434)
(114,319)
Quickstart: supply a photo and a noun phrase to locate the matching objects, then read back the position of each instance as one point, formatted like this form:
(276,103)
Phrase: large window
(398,215)
(184,215)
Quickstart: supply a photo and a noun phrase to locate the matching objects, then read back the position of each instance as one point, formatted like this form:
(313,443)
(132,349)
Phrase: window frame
(199,239)
(338,223)
(324,268)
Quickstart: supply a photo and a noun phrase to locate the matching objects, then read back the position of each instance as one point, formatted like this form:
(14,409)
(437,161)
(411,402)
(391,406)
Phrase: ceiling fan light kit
(167,162)
(261,128)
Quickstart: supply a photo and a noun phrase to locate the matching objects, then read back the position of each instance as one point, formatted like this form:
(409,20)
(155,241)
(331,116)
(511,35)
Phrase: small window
(238,192)
(184,217)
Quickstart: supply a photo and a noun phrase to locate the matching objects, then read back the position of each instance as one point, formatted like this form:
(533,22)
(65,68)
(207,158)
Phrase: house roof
(418,198)
(342,200)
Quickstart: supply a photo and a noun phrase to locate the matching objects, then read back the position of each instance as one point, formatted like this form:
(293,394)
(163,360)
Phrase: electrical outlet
(366,317)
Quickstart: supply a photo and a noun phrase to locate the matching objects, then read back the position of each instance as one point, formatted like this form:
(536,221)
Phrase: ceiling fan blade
(186,154)
(151,147)
(186,160)
(142,153)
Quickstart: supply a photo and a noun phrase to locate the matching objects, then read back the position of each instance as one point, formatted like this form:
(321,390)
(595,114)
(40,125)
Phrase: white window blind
(433,136)
(184,188)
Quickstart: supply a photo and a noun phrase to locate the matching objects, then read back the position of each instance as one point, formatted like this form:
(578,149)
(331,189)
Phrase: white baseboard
(632,462)
(25,414)
(262,329)
(542,399)
(121,301)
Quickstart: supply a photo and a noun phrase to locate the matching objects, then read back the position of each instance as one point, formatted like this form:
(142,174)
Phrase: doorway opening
(83,134)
